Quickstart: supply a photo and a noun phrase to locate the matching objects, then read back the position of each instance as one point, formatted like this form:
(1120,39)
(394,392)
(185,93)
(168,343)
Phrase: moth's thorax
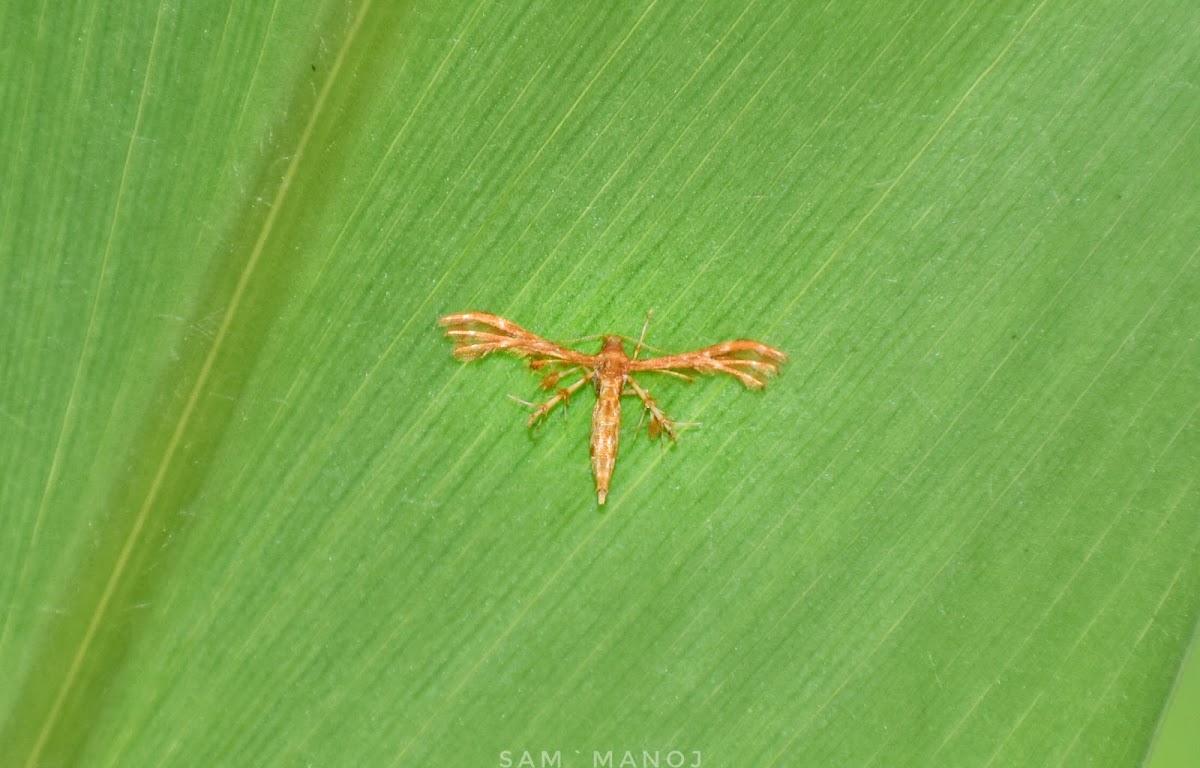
(612,362)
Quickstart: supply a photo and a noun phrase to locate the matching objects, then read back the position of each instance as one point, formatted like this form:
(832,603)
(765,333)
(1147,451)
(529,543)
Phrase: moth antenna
(642,339)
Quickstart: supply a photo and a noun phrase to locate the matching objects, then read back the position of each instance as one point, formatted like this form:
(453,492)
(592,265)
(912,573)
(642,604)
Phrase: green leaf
(255,513)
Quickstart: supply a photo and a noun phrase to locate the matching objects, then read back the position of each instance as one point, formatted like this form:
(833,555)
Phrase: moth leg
(551,379)
(659,422)
(561,397)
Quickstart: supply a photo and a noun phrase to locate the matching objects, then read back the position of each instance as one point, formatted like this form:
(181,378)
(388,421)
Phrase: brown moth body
(477,334)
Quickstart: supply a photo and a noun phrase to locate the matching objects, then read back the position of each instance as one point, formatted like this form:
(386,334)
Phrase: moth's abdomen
(606,429)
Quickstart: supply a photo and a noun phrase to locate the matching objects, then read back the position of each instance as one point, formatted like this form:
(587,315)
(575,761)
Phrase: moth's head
(612,344)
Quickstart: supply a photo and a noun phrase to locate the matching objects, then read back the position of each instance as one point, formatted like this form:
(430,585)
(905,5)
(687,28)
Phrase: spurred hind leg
(659,422)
